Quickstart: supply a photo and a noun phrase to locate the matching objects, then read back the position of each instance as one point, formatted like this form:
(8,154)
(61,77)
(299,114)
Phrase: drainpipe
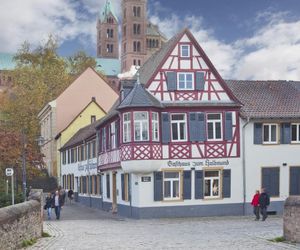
(244,165)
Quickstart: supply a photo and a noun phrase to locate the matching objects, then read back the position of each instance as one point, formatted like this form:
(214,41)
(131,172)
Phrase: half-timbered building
(181,141)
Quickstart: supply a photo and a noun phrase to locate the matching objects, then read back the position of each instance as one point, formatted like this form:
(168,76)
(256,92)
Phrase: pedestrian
(264,202)
(48,205)
(62,193)
(70,195)
(58,201)
(255,204)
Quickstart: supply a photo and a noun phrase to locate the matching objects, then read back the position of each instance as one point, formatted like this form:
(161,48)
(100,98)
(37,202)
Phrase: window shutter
(199,184)
(108,137)
(285,133)
(117,134)
(187,185)
(158,186)
(202,126)
(193,127)
(166,133)
(200,81)
(100,140)
(228,126)
(257,133)
(294,181)
(226,183)
(171,81)
(123,186)
(270,180)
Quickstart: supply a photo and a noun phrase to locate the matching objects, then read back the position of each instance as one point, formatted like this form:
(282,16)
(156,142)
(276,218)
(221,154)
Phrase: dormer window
(185,81)
(185,50)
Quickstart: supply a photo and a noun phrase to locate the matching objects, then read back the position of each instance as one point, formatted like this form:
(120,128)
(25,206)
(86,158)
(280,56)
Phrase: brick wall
(20,222)
(291,219)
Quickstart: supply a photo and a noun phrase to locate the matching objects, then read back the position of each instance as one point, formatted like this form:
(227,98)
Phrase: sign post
(10,172)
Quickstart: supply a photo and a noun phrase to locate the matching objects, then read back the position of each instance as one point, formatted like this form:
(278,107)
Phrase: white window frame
(113,135)
(178,122)
(155,127)
(172,180)
(214,122)
(297,132)
(188,50)
(127,127)
(185,81)
(142,123)
(211,179)
(269,141)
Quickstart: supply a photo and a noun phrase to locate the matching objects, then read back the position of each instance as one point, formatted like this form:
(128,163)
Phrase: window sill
(173,200)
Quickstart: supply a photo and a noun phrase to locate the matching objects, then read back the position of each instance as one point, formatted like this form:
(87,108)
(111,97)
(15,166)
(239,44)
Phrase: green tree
(39,77)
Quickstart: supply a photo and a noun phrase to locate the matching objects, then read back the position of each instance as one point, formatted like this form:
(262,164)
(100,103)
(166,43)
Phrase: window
(109,48)
(81,153)
(155,129)
(141,126)
(185,81)
(136,11)
(108,186)
(64,157)
(296,133)
(125,187)
(103,139)
(269,133)
(93,151)
(185,50)
(93,118)
(113,135)
(214,126)
(136,29)
(134,62)
(124,47)
(109,33)
(136,46)
(139,62)
(124,30)
(178,125)
(171,186)
(126,127)
(212,184)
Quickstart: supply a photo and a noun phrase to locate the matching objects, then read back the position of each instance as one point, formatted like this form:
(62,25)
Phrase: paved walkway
(84,228)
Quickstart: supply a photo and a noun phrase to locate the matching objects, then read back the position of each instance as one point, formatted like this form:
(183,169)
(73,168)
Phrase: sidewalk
(85,228)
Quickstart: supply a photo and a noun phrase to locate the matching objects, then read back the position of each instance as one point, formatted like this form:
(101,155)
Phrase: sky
(244,39)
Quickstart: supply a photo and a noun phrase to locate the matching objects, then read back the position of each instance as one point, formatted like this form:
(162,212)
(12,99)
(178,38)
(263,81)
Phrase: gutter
(244,164)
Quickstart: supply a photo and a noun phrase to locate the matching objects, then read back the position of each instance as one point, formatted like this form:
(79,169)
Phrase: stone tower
(107,33)
(134,28)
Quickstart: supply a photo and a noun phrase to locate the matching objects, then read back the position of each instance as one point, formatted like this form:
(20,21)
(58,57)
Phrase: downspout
(244,165)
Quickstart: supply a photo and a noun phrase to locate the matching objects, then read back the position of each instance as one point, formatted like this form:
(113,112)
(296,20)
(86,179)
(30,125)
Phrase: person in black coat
(48,205)
(264,202)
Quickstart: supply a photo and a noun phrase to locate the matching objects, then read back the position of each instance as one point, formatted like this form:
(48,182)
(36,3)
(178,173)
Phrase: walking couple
(260,203)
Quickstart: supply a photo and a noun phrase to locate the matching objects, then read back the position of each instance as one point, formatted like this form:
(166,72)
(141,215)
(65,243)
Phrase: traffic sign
(9,172)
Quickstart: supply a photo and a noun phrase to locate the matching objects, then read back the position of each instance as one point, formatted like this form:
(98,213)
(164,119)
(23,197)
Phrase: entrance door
(294,180)
(114,193)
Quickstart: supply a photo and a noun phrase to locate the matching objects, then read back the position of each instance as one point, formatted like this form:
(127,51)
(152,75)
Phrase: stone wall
(20,222)
(291,219)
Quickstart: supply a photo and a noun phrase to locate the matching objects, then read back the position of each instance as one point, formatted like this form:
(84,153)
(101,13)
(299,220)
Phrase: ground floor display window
(171,186)
(212,184)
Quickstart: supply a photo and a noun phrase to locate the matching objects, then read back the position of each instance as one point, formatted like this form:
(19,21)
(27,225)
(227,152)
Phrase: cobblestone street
(85,228)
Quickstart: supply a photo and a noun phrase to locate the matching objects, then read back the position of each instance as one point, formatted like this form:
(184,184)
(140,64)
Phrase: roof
(150,66)
(139,97)
(267,99)
(7,61)
(109,66)
(107,8)
(153,30)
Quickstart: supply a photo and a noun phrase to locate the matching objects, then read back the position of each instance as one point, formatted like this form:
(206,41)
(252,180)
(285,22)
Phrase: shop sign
(204,163)
(146,178)
(87,167)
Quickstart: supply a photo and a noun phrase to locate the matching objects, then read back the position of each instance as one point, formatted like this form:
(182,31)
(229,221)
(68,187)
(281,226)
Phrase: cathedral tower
(107,33)
(134,28)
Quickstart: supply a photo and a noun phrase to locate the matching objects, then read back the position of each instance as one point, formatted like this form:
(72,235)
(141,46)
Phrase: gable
(80,93)
(186,74)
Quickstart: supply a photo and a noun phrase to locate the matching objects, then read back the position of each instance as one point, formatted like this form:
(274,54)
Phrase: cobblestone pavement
(84,228)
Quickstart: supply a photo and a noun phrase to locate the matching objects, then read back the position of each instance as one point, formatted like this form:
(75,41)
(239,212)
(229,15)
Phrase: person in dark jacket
(48,205)
(255,204)
(264,202)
